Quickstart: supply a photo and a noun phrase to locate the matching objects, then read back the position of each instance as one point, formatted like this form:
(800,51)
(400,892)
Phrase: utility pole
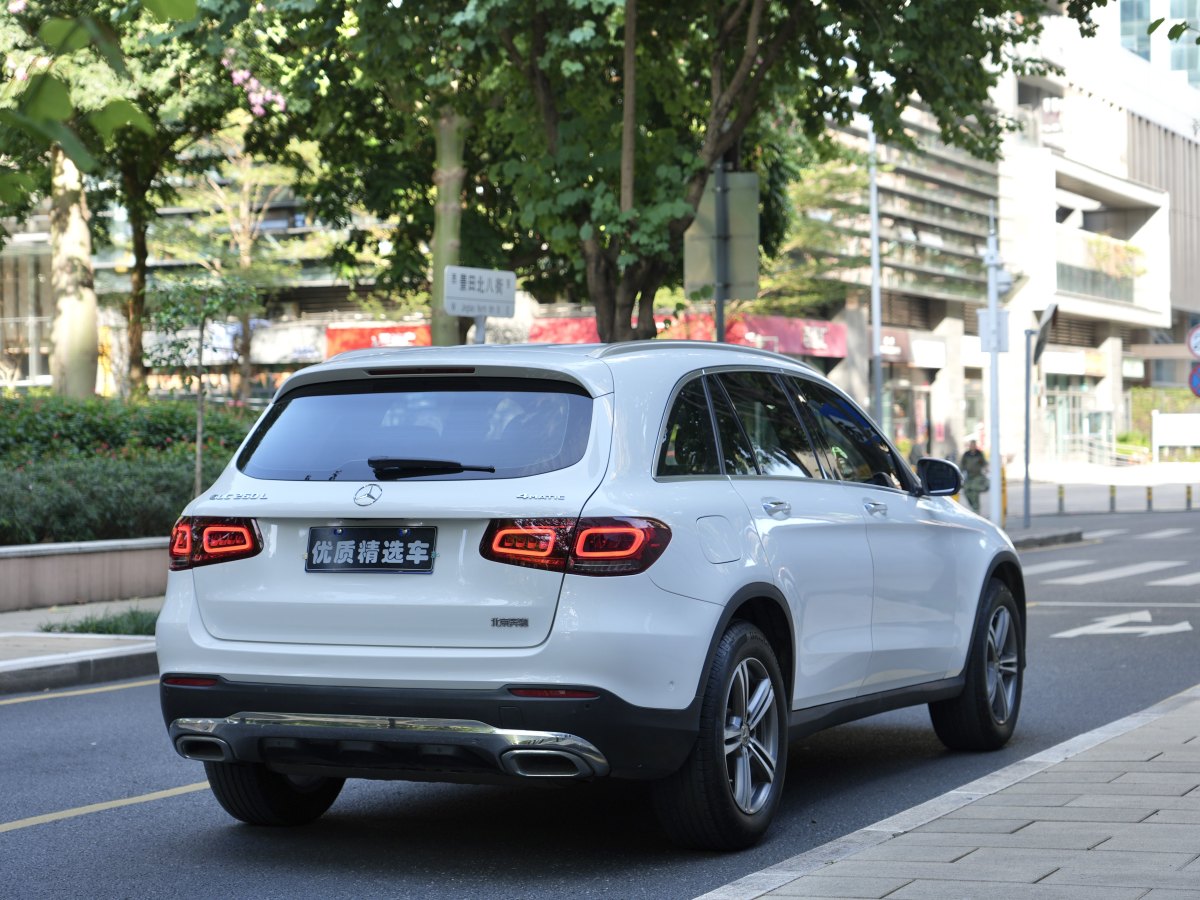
(993,331)
(721,273)
(1035,343)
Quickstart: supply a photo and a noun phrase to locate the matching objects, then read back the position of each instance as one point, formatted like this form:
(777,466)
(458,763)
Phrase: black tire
(257,796)
(984,715)
(725,795)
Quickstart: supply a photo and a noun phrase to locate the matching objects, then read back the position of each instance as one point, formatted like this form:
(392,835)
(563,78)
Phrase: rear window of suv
(421,428)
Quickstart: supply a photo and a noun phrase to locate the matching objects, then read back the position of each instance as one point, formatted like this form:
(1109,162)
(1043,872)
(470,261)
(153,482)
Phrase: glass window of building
(1135,19)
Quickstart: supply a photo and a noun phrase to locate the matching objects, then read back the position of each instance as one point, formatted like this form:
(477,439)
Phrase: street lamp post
(876,300)
(994,333)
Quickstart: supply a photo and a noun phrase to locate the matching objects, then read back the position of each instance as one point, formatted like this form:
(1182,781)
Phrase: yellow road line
(101,807)
(80,693)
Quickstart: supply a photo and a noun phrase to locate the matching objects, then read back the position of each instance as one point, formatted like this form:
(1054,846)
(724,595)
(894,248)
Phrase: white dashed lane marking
(1164,533)
(1142,568)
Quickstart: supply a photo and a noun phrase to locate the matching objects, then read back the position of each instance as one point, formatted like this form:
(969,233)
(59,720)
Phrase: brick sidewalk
(1114,813)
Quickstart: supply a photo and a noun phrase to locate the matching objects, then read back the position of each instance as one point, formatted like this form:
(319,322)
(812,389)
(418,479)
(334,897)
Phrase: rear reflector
(190,680)
(203,540)
(554,693)
(616,545)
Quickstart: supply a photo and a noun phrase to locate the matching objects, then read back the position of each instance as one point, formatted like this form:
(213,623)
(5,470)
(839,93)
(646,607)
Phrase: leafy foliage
(87,499)
(542,87)
(819,249)
(75,470)
(62,64)
(38,427)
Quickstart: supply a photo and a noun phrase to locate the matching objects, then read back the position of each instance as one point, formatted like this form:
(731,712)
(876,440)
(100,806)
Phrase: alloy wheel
(751,735)
(1003,665)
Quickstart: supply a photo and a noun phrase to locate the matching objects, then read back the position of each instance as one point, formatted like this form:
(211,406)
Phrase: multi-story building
(1100,215)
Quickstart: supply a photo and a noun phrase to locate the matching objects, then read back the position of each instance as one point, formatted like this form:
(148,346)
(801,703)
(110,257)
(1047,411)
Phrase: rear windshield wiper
(400,467)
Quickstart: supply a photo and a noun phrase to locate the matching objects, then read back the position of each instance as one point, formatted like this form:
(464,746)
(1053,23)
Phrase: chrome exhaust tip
(203,749)
(546,764)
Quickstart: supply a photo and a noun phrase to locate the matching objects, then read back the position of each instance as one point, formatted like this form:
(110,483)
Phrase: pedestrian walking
(975,472)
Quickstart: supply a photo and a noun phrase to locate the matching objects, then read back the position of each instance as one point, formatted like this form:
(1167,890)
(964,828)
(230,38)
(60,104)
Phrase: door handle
(773,507)
(875,508)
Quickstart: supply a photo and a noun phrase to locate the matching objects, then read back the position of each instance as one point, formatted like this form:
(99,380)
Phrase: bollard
(1112,498)
(1187,494)
(1061,491)
(1149,499)
(1003,498)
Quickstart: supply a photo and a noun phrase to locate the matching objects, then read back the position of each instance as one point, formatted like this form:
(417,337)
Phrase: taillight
(594,546)
(203,540)
(537,543)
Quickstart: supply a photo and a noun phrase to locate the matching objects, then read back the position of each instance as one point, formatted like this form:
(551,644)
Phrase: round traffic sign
(1194,381)
(1193,341)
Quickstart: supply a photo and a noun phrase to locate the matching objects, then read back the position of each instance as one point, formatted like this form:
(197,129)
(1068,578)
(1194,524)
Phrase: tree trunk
(600,275)
(629,113)
(245,368)
(74,336)
(448,176)
(135,306)
(616,295)
(198,485)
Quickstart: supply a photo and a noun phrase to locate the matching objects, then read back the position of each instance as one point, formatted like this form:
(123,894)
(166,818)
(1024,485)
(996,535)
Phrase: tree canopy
(542,85)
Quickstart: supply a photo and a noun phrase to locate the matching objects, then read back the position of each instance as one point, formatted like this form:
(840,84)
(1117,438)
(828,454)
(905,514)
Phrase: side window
(688,446)
(735,448)
(780,444)
(857,451)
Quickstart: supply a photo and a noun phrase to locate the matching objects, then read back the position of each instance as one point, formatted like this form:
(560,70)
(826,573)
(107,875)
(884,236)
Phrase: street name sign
(480,292)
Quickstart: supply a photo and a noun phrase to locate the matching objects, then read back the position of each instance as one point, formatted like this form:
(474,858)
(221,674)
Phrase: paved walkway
(1110,815)
(36,660)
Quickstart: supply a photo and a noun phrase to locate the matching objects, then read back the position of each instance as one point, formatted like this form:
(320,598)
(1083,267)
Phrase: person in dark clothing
(975,474)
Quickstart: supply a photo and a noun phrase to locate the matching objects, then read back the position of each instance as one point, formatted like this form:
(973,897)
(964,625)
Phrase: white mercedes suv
(657,560)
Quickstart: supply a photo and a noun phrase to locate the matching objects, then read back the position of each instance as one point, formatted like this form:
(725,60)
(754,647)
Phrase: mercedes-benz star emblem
(368,494)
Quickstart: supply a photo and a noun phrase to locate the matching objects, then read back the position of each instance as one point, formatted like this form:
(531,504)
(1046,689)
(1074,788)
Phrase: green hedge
(33,427)
(96,499)
(102,469)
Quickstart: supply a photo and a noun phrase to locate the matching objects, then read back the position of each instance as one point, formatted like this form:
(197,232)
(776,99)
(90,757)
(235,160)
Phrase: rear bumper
(440,735)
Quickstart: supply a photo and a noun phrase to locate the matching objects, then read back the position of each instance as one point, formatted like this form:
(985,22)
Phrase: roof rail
(622,347)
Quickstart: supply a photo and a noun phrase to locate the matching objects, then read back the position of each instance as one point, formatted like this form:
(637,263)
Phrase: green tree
(707,76)
(233,193)
(182,311)
(822,246)
(71,103)
(177,81)
(395,107)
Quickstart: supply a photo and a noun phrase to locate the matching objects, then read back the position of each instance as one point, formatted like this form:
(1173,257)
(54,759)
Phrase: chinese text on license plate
(375,549)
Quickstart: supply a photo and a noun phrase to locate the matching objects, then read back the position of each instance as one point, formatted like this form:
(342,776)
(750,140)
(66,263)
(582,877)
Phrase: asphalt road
(61,752)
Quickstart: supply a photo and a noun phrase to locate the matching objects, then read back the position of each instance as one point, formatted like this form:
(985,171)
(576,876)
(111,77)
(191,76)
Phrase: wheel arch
(1005,568)
(764,606)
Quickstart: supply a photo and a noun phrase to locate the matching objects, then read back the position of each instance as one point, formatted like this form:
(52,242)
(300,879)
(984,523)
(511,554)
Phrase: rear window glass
(421,428)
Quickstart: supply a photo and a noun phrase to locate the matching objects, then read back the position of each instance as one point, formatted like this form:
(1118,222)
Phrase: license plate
(375,549)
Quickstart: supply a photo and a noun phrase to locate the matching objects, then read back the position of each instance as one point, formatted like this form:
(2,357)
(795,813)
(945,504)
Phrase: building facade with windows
(1100,216)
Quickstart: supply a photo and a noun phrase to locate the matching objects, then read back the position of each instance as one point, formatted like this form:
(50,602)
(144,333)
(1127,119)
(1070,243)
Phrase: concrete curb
(74,669)
(1049,539)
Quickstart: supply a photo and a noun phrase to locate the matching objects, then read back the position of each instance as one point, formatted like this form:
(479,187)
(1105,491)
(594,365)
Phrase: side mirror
(939,477)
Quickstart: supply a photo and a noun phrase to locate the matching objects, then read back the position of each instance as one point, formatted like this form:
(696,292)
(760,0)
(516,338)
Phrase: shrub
(85,499)
(33,427)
